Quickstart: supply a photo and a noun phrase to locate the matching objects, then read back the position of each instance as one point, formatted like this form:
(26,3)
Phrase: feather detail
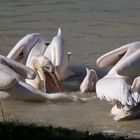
(114,89)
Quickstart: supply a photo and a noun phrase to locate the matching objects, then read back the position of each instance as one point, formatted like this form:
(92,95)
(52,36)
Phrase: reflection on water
(90,28)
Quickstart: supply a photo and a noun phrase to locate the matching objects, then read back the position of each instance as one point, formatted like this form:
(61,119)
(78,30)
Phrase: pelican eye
(47,43)
(46,67)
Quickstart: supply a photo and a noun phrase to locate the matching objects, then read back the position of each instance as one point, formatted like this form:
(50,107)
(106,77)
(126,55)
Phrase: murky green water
(90,28)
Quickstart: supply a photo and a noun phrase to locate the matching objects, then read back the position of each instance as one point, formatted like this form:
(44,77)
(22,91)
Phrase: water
(90,28)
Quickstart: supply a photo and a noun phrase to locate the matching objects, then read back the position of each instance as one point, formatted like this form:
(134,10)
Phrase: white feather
(114,89)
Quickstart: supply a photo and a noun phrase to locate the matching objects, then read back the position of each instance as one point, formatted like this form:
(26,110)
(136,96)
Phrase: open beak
(52,83)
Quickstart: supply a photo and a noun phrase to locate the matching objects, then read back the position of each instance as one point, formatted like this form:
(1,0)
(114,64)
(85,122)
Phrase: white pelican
(89,82)
(121,86)
(13,85)
(34,45)
(59,57)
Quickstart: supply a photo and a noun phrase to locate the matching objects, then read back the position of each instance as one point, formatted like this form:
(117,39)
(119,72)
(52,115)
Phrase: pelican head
(47,80)
(89,81)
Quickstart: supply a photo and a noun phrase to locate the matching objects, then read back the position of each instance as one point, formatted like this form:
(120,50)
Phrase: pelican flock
(39,75)
(34,45)
(44,64)
(14,86)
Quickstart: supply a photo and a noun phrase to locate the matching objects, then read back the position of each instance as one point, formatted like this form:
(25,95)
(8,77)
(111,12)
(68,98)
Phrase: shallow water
(90,28)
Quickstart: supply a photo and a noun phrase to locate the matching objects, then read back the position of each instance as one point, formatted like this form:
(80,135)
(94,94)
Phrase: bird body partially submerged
(89,82)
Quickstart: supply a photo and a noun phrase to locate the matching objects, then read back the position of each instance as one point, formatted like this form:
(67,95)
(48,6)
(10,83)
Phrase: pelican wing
(114,89)
(7,80)
(111,58)
(24,46)
(19,68)
(24,91)
(130,65)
